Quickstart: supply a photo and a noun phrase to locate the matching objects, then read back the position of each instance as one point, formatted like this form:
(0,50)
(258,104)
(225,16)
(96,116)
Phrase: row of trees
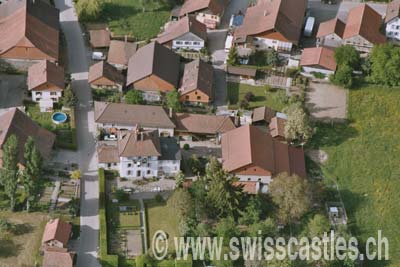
(11,174)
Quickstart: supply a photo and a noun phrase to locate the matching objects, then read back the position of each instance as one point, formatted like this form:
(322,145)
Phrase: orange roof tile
(319,56)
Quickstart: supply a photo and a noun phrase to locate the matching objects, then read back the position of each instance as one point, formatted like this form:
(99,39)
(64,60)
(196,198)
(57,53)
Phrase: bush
(186,146)
(244,104)
(293,72)
(249,96)
(159,198)
(318,75)
(121,195)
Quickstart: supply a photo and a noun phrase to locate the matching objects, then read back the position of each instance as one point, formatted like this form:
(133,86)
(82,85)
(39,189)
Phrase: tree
(298,126)
(182,202)
(252,212)
(10,172)
(134,97)
(385,64)
(292,195)
(227,228)
(347,55)
(317,226)
(249,96)
(173,100)
(197,166)
(343,76)
(265,58)
(268,228)
(76,175)
(6,227)
(233,58)
(179,179)
(32,171)
(69,99)
(88,9)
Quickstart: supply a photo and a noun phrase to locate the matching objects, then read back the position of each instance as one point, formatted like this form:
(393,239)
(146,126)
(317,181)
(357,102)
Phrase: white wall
(393,29)
(255,178)
(331,40)
(264,44)
(192,45)
(46,95)
(161,131)
(314,69)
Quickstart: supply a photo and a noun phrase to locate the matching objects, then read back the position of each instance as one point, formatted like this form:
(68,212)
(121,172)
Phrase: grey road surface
(78,67)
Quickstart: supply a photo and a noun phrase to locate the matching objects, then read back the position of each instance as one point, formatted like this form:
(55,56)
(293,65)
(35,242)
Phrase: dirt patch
(318,156)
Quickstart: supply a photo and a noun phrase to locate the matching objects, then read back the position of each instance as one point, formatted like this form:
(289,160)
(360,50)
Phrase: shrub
(244,104)
(159,198)
(249,96)
(318,75)
(186,146)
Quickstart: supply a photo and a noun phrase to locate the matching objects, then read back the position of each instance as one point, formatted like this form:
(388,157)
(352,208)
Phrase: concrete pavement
(86,156)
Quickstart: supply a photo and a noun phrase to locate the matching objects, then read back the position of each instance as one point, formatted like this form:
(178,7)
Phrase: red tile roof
(120,52)
(58,258)
(190,6)
(46,72)
(100,38)
(139,144)
(103,69)
(203,124)
(249,145)
(392,11)
(277,127)
(331,26)
(198,75)
(181,27)
(57,230)
(263,114)
(319,56)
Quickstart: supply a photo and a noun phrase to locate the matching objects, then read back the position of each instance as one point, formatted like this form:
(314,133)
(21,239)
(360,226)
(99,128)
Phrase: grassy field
(161,217)
(127,17)
(364,159)
(275,99)
(130,219)
(21,248)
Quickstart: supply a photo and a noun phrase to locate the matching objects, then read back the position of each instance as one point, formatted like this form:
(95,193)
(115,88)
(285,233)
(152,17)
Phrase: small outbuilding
(104,75)
(319,60)
(100,38)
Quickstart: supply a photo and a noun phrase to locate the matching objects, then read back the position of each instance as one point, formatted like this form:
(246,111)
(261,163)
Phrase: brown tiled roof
(120,52)
(203,124)
(181,27)
(241,71)
(249,145)
(198,75)
(103,69)
(248,187)
(366,22)
(107,154)
(57,230)
(331,26)
(392,10)
(58,258)
(190,6)
(154,59)
(319,56)
(263,114)
(277,127)
(139,144)
(99,38)
(30,24)
(283,16)
(15,122)
(46,72)
(124,114)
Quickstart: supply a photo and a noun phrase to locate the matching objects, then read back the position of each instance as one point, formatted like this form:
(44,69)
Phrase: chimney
(141,136)
(170,112)
(126,38)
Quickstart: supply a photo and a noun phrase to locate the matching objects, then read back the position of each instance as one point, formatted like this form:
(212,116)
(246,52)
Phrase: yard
(364,160)
(275,99)
(161,217)
(21,248)
(66,132)
(142,21)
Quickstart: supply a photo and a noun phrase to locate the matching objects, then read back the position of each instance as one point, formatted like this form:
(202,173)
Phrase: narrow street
(86,130)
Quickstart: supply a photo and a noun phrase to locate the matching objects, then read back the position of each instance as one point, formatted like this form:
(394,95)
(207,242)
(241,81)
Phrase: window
(274,41)
(129,173)
(248,179)
(198,97)
(188,43)
(138,173)
(53,93)
(259,179)
(178,42)
(129,165)
(187,97)
(195,93)
(148,172)
(196,43)
(108,165)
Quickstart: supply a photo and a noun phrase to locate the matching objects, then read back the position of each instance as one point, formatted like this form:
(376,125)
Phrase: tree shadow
(334,134)
(22,229)
(8,248)
(233,93)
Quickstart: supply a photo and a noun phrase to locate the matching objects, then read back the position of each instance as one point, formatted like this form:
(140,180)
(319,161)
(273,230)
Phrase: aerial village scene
(135,133)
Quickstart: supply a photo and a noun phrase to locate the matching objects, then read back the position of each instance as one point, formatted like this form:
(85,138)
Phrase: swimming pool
(59,117)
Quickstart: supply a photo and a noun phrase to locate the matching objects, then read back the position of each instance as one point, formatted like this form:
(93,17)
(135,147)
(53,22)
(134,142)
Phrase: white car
(111,137)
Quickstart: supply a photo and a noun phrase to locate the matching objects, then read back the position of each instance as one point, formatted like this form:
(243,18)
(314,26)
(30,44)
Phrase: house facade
(330,33)
(208,12)
(104,75)
(392,20)
(56,234)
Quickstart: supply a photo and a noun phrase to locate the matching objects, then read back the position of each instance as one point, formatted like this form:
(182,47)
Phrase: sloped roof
(170,149)
(319,56)
(248,187)
(251,72)
(104,69)
(366,22)
(152,60)
(120,52)
(58,258)
(198,75)
(32,23)
(181,27)
(283,16)
(190,6)
(15,122)
(263,114)
(139,144)
(392,10)
(277,127)
(249,145)
(100,38)
(203,124)
(107,154)
(57,230)
(142,115)
(331,26)
(46,72)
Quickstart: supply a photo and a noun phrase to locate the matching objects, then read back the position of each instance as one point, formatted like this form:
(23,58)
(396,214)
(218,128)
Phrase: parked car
(111,137)
(98,56)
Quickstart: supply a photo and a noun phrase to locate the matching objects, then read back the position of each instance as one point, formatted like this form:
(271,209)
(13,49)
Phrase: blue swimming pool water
(59,117)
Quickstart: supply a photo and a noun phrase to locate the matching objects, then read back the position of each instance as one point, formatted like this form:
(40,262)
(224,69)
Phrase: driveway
(12,88)
(86,130)
(326,102)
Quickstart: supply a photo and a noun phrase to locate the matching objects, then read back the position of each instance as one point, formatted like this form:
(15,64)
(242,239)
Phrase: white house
(46,83)
(141,154)
(186,33)
(392,20)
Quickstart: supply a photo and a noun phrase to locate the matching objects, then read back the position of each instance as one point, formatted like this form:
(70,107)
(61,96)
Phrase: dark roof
(33,22)
(15,122)
(181,27)
(103,69)
(191,6)
(100,38)
(139,144)
(198,75)
(154,59)
(170,149)
(142,115)
(120,52)
(203,124)
(242,71)
(263,114)
(46,72)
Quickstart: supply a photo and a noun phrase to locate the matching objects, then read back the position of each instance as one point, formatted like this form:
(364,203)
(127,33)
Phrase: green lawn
(364,158)
(161,217)
(275,99)
(130,219)
(127,17)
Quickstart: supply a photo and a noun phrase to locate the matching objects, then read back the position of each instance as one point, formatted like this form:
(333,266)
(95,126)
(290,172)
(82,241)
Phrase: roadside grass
(162,217)
(22,247)
(275,98)
(364,160)
(127,17)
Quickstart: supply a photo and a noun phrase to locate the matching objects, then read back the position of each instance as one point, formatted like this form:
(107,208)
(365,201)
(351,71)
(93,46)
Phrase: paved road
(78,67)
